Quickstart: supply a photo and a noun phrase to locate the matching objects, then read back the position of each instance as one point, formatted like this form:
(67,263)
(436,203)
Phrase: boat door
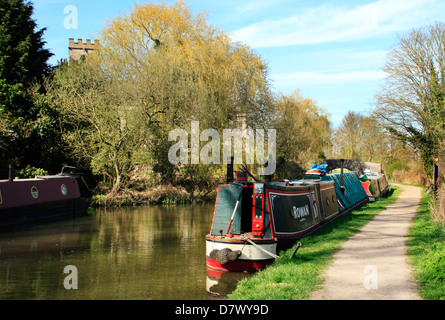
(258,210)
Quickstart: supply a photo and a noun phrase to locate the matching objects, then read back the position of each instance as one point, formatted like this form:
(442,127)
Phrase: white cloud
(328,23)
(248,8)
(320,78)
(344,59)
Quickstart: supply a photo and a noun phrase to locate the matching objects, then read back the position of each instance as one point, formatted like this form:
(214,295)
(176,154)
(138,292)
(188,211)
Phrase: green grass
(426,249)
(295,279)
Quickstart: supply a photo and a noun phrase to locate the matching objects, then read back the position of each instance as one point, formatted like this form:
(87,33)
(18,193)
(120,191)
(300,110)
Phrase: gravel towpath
(372,265)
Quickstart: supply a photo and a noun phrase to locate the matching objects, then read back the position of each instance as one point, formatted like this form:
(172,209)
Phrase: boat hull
(252,258)
(30,200)
(238,266)
(43,211)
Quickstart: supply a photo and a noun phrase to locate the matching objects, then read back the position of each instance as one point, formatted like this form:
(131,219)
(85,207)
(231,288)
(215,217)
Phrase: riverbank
(297,278)
(162,194)
(426,250)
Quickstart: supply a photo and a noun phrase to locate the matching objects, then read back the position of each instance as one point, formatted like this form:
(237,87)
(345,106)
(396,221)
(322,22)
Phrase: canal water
(153,252)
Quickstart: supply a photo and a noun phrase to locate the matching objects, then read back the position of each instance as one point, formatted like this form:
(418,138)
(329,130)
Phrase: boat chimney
(229,169)
(269,176)
(11,173)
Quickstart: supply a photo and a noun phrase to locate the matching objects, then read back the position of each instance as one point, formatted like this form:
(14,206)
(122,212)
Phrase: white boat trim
(248,251)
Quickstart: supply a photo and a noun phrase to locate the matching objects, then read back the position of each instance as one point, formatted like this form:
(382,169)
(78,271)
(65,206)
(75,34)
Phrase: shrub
(30,172)
(397,165)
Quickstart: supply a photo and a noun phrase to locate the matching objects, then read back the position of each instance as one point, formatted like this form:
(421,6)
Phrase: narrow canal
(153,252)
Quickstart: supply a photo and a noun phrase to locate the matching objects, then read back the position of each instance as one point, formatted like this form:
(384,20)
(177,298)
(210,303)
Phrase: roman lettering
(300,212)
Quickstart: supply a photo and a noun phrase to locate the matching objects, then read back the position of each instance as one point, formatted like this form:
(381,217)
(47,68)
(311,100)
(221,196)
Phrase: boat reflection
(219,284)
(39,239)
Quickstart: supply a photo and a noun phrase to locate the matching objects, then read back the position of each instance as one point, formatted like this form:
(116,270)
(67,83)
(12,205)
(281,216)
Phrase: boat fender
(225,255)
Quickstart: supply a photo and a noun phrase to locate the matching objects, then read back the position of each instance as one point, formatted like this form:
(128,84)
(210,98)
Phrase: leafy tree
(192,71)
(191,67)
(102,120)
(157,69)
(303,133)
(23,64)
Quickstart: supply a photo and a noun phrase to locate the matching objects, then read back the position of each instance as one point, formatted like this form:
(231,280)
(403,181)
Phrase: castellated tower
(78,49)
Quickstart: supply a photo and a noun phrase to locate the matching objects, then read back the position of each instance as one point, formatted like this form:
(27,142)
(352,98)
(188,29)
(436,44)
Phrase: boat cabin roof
(39,178)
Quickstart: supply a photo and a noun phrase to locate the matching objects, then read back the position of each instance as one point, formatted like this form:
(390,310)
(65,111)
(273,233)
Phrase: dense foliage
(27,127)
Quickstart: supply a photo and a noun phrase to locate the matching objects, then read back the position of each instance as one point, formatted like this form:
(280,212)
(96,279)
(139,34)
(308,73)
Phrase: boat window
(34,192)
(63,189)
(258,207)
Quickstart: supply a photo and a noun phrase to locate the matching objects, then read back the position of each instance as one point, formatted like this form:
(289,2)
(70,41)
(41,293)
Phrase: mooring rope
(259,248)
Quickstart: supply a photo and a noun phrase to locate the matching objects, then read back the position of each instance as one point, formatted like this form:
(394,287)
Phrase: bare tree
(348,136)
(411,102)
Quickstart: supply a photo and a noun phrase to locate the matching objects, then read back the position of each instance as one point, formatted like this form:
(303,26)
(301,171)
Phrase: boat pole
(229,169)
(233,215)
(11,173)
(342,187)
(295,250)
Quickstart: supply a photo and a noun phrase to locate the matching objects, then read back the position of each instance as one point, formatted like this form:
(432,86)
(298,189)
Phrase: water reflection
(135,253)
(220,283)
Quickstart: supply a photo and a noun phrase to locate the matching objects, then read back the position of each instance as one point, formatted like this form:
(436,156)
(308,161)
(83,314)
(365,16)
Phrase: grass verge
(426,251)
(295,279)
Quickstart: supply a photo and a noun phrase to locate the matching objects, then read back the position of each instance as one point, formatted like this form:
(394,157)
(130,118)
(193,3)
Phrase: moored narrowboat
(254,221)
(375,184)
(29,200)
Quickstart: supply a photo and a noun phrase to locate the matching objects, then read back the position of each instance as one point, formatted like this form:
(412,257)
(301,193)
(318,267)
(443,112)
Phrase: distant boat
(254,221)
(42,197)
(375,184)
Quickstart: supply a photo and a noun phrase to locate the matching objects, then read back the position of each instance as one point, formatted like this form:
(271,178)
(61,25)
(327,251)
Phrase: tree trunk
(117,182)
(116,186)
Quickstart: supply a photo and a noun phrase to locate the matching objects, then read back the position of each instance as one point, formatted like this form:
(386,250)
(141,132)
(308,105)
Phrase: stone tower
(78,49)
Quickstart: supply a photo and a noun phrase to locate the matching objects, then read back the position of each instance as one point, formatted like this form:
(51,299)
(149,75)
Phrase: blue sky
(332,51)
